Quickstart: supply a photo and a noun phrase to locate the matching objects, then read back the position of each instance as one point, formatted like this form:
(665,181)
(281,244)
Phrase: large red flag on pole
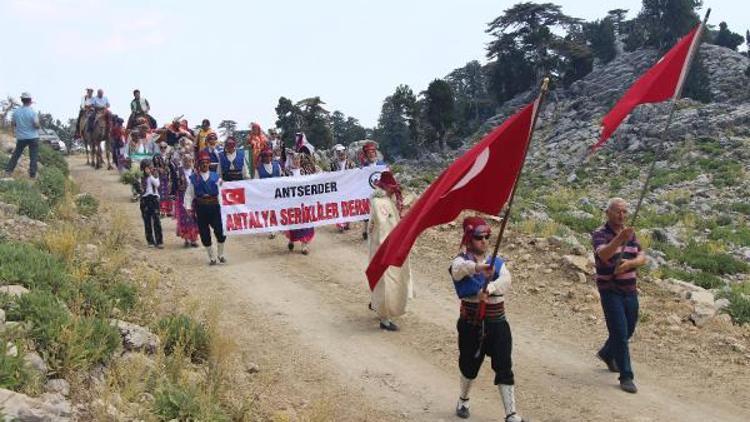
(480,180)
(662,82)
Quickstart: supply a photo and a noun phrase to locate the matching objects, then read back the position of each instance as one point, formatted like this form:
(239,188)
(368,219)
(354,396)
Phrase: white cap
(25,96)
(339,147)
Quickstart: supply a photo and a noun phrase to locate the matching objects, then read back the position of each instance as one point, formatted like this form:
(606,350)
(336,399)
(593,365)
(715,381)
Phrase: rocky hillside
(694,221)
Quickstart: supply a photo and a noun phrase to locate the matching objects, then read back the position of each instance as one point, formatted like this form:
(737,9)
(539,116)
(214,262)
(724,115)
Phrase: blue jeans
(21,144)
(621,313)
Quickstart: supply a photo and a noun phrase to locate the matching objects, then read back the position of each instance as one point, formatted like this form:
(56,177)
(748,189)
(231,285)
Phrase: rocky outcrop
(20,407)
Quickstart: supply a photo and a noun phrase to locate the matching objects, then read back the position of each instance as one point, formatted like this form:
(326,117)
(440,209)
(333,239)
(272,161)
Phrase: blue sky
(233,60)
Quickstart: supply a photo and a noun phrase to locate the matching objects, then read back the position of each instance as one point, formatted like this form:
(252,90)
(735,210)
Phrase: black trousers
(497,344)
(151,222)
(209,217)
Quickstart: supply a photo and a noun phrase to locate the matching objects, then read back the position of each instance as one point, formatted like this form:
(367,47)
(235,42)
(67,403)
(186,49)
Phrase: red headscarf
(474,226)
(389,184)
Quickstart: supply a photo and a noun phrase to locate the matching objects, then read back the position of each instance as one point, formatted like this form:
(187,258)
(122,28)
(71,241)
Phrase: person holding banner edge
(204,188)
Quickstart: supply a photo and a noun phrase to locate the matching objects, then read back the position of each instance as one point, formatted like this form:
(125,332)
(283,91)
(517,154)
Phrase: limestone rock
(57,385)
(33,361)
(703,307)
(136,338)
(14,290)
(17,406)
(579,263)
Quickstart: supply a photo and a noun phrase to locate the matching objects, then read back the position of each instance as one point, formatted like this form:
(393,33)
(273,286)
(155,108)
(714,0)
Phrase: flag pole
(663,138)
(542,95)
(506,216)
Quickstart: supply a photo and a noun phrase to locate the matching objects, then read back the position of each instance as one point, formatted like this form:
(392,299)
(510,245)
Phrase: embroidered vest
(471,285)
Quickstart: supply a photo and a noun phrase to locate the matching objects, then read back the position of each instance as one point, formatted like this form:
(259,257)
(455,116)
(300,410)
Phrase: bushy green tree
(472,99)
(397,129)
(439,109)
(289,120)
(316,122)
(726,38)
(600,35)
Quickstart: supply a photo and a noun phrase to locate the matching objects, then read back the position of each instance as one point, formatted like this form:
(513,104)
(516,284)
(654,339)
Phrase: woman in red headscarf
(390,295)
(258,141)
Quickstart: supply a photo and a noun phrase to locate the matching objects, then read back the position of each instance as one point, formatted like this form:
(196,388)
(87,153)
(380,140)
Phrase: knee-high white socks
(507,392)
(220,249)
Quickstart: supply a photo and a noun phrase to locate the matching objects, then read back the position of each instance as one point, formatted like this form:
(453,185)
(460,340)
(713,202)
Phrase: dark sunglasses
(480,237)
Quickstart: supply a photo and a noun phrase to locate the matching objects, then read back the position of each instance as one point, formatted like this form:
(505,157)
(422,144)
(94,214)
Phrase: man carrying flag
(483,180)
(470,271)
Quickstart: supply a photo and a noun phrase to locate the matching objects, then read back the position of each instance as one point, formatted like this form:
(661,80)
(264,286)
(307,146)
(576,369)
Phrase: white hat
(339,147)
(25,96)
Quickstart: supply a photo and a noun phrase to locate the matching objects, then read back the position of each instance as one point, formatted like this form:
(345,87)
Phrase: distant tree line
(528,41)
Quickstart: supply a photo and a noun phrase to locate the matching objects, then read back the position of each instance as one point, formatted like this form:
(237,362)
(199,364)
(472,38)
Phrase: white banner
(287,203)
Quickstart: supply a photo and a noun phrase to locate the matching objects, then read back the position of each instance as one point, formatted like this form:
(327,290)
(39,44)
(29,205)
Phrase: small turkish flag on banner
(480,180)
(234,196)
(660,83)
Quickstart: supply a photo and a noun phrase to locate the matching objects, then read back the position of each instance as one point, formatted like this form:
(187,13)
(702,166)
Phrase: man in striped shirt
(617,287)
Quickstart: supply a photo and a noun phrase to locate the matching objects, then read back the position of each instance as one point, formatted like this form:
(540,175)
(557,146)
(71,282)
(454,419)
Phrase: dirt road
(304,321)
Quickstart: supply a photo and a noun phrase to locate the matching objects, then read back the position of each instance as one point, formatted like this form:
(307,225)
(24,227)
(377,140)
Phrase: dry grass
(540,228)
(62,240)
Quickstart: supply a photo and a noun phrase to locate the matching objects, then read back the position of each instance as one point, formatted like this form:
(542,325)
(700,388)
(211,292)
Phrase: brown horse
(94,132)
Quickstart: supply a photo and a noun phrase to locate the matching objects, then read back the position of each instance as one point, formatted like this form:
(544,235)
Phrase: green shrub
(708,146)
(46,315)
(84,343)
(97,299)
(701,257)
(580,225)
(52,184)
(187,333)
(13,373)
(185,403)
(26,196)
(739,236)
(33,268)
(86,204)
(729,174)
(739,303)
(131,176)
(48,157)
(741,207)
(650,219)
(665,177)
(699,278)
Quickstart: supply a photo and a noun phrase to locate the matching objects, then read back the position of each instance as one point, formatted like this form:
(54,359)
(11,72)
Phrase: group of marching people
(182,180)
(186,169)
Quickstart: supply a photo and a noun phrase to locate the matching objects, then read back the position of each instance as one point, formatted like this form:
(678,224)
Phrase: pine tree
(600,35)
(439,109)
(727,38)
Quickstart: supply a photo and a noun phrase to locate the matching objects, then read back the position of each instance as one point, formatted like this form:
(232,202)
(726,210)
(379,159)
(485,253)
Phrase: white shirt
(152,186)
(461,267)
(85,102)
(187,202)
(231,157)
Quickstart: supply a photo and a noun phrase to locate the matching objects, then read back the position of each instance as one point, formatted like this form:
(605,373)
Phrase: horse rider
(139,107)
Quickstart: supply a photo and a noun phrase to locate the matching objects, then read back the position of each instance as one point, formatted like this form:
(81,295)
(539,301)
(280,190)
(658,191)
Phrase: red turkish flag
(660,83)
(480,180)
(235,196)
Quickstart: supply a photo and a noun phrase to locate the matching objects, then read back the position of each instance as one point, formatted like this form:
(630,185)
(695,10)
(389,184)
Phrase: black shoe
(369,306)
(628,386)
(462,411)
(611,364)
(389,327)
(222,260)
(290,246)
(212,262)
(159,246)
(364,235)
(193,245)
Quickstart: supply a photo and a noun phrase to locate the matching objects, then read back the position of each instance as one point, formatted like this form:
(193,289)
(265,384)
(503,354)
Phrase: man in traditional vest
(204,188)
(232,162)
(482,331)
(268,166)
(212,151)
(140,107)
